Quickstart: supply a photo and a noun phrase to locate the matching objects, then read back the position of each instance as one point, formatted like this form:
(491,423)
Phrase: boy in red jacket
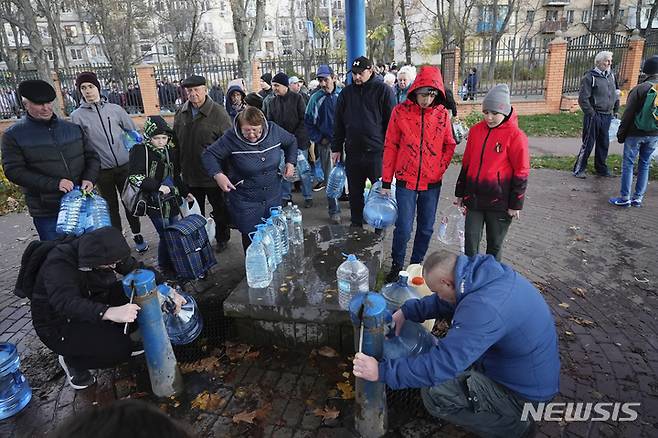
(417,150)
(494,174)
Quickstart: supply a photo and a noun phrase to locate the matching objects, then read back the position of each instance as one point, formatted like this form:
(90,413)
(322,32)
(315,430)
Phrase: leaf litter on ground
(208,402)
(326,413)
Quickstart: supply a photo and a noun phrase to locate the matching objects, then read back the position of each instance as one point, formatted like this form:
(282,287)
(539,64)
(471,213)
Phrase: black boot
(394,273)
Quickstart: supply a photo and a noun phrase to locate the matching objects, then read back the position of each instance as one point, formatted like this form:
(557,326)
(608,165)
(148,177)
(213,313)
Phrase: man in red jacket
(417,151)
(494,174)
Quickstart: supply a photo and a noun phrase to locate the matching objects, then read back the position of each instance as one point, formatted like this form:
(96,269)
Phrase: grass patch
(552,125)
(11,196)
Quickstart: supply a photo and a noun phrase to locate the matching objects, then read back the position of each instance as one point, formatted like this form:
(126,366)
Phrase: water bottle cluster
(281,235)
(82,212)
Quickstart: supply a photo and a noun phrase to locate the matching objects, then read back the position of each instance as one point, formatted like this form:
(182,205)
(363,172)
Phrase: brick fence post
(631,62)
(256,73)
(456,85)
(58,92)
(149,89)
(554,75)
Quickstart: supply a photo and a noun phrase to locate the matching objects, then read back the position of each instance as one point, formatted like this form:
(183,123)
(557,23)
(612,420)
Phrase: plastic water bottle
(186,325)
(268,244)
(256,265)
(397,293)
(72,216)
(15,392)
(352,277)
(380,211)
(451,228)
(277,238)
(98,213)
(414,339)
(614,127)
(131,138)
(287,213)
(281,225)
(297,234)
(302,164)
(336,181)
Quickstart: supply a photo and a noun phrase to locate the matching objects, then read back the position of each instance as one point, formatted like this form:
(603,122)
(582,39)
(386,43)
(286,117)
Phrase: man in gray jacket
(197,124)
(599,100)
(103,124)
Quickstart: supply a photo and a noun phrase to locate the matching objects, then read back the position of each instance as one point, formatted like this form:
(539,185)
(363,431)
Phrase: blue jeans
(46,227)
(595,131)
(645,147)
(160,223)
(307,184)
(323,158)
(409,202)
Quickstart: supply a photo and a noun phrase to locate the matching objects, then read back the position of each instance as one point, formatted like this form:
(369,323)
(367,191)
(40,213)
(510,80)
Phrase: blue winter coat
(257,164)
(320,113)
(500,322)
(232,112)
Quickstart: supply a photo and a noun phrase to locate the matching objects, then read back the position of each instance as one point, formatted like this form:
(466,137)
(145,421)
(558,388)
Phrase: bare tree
(498,31)
(638,16)
(50,10)
(246,36)
(379,37)
(521,33)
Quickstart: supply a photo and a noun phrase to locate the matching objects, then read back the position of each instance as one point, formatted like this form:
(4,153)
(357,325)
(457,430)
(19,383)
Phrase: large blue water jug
(414,339)
(72,213)
(380,211)
(336,181)
(15,392)
(98,213)
(131,138)
(397,293)
(186,325)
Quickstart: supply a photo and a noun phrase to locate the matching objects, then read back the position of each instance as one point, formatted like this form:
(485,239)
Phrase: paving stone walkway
(596,265)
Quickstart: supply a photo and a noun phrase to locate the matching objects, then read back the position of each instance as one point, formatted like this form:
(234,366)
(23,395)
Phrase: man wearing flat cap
(46,156)
(197,124)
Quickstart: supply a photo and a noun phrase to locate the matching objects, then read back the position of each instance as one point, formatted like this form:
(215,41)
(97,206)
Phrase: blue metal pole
(355,31)
(369,315)
(166,379)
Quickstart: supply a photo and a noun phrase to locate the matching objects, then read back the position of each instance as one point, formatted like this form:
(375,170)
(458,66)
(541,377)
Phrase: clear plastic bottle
(287,213)
(258,273)
(380,211)
(131,138)
(279,221)
(352,277)
(336,181)
(186,325)
(297,235)
(397,293)
(302,164)
(15,392)
(268,243)
(277,238)
(414,339)
(451,228)
(98,213)
(72,213)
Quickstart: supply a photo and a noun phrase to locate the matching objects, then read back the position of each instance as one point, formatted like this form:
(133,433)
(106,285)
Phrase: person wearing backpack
(155,168)
(638,132)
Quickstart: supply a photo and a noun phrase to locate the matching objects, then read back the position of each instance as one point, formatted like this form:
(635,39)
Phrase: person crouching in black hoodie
(79,308)
(154,166)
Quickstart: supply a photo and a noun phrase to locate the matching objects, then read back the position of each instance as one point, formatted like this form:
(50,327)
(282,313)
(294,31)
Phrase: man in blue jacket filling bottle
(499,353)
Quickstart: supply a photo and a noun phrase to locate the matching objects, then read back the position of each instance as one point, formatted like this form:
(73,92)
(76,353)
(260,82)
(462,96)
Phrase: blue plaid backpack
(189,248)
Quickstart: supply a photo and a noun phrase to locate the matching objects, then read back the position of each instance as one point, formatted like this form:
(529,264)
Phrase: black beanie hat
(267,77)
(281,78)
(254,99)
(650,66)
(87,76)
(155,125)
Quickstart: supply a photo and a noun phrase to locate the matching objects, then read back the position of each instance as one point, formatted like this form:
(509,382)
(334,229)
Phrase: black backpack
(33,257)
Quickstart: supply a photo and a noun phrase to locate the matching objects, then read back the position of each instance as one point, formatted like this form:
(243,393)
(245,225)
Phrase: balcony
(487,26)
(555,2)
(554,26)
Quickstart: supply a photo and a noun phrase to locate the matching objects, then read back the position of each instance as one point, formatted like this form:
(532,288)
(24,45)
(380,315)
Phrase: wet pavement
(596,265)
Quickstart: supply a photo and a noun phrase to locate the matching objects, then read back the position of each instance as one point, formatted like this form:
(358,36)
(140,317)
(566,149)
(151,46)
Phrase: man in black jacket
(362,114)
(287,110)
(79,308)
(46,156)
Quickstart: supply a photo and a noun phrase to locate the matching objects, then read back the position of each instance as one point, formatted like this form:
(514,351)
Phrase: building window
(268,26)
(570,18)
(145,48)
(530,16)
(300,25)
(622,13)
(66,7)
(551,15)
(269,46)
(338,5)
(76,54)
(43,30)
(338,24)
(230,48)
(71,31)
(600,12)
(586,16)
(207,27)
(93,51)
(49,53)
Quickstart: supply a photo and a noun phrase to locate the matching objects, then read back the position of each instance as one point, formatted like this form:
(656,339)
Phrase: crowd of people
(240,151)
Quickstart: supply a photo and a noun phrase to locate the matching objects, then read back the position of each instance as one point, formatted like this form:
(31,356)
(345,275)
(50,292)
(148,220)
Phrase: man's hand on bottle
(122,314)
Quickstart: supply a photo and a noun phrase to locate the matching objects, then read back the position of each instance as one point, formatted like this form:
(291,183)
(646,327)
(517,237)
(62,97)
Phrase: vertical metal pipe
(370,413)
(165,376)
(355,31)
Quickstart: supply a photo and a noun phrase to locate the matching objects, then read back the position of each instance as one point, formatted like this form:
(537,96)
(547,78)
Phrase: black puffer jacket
(37,154)
(68,286)
(288,112)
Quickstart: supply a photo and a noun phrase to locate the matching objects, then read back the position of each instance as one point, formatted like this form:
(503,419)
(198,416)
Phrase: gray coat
(103,124)
(598,93)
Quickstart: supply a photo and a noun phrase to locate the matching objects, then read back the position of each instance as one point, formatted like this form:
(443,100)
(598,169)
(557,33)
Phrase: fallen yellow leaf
(564,305)
(208,402)
(346,390)
(326,413)
(327,352)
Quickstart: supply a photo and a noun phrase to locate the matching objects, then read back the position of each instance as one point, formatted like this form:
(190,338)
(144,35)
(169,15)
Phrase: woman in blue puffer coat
(251,151)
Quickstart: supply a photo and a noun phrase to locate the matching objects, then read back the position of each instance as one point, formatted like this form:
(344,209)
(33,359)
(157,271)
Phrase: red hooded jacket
(495,167)
(419,143)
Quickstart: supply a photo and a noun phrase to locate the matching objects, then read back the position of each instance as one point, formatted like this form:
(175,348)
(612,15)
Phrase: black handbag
(132,196)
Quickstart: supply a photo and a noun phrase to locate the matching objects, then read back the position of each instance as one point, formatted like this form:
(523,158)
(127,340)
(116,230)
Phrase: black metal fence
(581,52)
(11,105)
(304,67)
(119,88)
(520,63)
(218,73)
(650,45)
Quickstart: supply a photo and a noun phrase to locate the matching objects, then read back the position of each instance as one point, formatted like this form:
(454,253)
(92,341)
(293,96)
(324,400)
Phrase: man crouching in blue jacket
(499,353)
